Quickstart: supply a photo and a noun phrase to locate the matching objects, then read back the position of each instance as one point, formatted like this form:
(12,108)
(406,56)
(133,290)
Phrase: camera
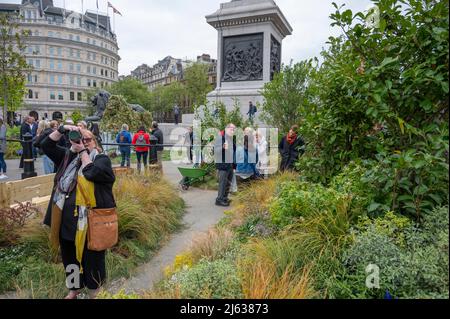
(75,137)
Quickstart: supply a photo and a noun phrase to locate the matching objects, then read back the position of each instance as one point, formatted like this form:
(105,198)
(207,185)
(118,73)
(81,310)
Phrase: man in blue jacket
(124,137)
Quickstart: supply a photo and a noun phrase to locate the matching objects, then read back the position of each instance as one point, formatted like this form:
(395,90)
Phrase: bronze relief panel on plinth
(275,57)
(243,58)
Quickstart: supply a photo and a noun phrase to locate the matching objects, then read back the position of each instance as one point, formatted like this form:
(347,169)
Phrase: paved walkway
(15,173)
(201,214)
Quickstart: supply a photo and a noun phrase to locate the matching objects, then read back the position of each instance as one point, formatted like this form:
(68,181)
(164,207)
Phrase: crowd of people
(243,163)
(140,142)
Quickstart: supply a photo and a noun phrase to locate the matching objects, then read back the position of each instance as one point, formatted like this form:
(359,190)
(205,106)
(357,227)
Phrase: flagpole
(107,18)
(97,14)
(114,21)
(82,13)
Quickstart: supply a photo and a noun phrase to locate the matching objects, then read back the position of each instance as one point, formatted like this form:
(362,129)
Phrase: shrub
(12,220)
(148,209)
(212,245)
(207,280)
(416,269)
(269,270)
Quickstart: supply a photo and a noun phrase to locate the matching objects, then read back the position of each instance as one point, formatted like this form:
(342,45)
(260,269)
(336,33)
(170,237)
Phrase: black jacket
(39,139)
(225,159)
(100,172)
(159,135)
(290,153)
(24,129)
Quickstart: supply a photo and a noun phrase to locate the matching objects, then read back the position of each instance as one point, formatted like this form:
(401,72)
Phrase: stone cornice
(274,18)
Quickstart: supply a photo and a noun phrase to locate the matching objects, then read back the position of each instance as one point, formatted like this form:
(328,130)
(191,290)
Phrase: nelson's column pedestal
(250,35)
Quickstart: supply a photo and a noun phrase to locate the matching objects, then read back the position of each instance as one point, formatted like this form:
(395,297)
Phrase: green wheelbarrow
(191,176)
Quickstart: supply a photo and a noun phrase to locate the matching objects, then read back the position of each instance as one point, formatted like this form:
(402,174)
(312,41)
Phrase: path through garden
(201,214)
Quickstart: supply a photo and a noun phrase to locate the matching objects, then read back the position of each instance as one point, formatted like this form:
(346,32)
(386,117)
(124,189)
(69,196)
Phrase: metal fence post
(28,160)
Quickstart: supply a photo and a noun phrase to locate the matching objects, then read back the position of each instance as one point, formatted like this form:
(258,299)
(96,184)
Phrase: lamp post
(28,160)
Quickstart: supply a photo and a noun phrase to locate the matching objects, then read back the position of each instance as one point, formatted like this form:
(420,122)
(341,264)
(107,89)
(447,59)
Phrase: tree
(134,91)
(197,84)
(288,96)
(13,65)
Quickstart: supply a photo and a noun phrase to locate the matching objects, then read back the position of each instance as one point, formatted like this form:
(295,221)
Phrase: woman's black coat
(99,172)
(290,153)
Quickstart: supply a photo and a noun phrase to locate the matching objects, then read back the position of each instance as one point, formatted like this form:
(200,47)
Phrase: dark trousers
(126,154)
(177,119)
(94,266)
(225,180)
(142,157)
(2,163)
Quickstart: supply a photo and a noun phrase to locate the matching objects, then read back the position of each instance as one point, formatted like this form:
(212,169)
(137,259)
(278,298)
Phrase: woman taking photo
(84,180)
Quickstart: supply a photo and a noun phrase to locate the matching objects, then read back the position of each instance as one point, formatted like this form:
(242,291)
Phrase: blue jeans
(49,167)
(2,163)
(126,154)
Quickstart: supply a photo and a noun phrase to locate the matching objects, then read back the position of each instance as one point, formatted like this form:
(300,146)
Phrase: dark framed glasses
(87,140)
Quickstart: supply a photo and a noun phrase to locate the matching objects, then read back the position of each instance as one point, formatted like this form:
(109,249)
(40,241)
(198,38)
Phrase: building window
(60,65)
(38,63)
(52,79)
(79,68)
(50,34)
(60,80)
(71,52)
(101,72)
(94,70)
(72,80)
(106,72)
(78,38)
(37,49)
(88,69)
(88,82)
(35,79)
(30,94)
(36,95)
(60,96)
(71,67)
(78,53)
(79,97)
(30,62)
(72,96)
(52,50)
(52,64)
(52,96)
(71,35)
(30,78)
(94,83)
(79,81)
(59,51)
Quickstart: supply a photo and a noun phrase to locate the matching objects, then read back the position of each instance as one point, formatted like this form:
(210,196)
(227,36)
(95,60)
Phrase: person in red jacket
(141,139)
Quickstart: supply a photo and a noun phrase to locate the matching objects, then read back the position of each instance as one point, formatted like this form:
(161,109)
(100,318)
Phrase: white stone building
(70,54)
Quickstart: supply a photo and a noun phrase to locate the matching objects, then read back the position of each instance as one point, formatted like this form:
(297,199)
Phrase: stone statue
(100,101)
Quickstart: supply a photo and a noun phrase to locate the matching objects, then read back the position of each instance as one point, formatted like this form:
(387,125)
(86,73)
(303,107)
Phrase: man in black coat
(225,159)
(156,132)
(290,148)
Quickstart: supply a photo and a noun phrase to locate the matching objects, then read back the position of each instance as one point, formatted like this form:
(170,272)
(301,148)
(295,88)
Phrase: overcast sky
(150,30)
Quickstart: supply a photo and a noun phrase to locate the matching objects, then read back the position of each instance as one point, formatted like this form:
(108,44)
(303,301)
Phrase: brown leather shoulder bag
(103,229)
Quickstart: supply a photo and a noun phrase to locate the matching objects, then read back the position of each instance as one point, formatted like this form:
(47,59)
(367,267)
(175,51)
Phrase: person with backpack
(141,139)
(124,137)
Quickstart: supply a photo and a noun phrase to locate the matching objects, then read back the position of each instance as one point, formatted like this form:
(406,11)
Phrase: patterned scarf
(84,200)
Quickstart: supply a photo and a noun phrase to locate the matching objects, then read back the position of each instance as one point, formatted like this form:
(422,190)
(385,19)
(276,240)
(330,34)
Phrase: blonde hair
(94,139)
(42,126)
(54,124)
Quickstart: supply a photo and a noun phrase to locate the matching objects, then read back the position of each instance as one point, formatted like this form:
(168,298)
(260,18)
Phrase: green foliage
(381,88)
(133,91)
(288,97)
(77,116)
(13,148)
(13,65)
(417,268)
(163,98)
(118,112)
(207,280)
(197,84)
